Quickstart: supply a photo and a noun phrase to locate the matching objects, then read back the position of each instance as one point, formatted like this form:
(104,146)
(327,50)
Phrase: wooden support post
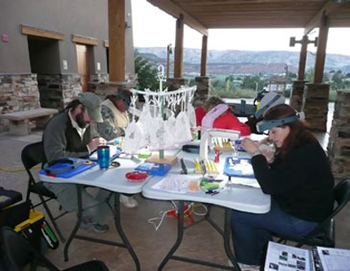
(204,56)
(321,50)
(179,47)
(116,33)
(302,58)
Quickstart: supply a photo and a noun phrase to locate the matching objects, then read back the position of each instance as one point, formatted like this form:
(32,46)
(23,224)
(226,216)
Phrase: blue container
(103,157)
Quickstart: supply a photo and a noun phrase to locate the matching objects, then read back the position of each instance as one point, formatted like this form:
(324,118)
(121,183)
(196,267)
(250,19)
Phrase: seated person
(219,115)
(72,133)
(297,176)
(114,111)
(268,100)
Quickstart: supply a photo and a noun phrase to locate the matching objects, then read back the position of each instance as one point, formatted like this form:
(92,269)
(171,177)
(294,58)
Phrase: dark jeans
(251,232)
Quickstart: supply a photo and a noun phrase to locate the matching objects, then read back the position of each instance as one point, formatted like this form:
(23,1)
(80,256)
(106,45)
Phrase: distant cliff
(244,62)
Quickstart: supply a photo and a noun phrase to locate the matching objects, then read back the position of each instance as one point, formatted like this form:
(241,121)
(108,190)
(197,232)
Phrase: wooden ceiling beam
(326,10)
(175,11)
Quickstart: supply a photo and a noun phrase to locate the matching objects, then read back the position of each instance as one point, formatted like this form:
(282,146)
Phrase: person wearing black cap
(298,177)
(114,111)
(72,133)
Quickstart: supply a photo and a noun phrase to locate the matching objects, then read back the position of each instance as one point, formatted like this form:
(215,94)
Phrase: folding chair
(32,155)
(19,253)
(324,233)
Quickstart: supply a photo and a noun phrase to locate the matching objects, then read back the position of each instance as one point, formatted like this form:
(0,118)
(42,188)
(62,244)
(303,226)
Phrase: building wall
(50,82)
(79,17)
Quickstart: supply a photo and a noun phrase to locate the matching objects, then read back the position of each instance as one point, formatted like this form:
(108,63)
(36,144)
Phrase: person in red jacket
(219,115)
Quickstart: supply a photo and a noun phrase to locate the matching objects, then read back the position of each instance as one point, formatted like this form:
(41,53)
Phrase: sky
(154,28)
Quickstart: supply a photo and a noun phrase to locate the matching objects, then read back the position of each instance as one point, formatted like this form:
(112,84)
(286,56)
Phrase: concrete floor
(151,246)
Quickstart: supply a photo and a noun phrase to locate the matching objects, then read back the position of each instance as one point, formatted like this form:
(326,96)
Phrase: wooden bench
(21,123)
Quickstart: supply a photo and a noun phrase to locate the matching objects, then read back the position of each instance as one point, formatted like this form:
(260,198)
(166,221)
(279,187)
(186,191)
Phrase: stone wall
(202,92)
(339,138)
(17,93)
(296,95)
(56,91)
(315,105)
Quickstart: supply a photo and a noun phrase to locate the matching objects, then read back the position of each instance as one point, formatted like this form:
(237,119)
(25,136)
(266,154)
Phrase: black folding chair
(32,155)
(19,253)
(324,233)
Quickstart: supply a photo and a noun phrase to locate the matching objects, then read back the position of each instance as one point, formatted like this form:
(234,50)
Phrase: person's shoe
(96,227)
(245,267)
(128,201)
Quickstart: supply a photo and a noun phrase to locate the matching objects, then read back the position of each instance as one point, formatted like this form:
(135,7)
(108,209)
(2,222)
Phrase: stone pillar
(102,89)
(315,105)
(296,95)
(202,92)
(58,90)
(175,83)
(339,138)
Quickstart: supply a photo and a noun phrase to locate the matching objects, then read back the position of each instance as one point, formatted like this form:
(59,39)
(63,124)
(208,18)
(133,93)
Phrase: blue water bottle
(103,157)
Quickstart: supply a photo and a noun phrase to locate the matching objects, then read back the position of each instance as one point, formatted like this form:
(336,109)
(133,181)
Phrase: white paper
(173,183)
(334,259)
(245,181)
(286,258)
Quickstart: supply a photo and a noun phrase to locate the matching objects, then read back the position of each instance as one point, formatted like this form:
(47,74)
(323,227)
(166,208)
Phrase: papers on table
(287,258)
(174,183)
(245,181)
(334,259)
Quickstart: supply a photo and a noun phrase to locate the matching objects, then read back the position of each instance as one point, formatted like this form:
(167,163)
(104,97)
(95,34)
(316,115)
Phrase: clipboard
(80,168)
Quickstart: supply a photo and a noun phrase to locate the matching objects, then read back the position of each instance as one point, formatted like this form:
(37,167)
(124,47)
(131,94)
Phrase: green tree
(147,73)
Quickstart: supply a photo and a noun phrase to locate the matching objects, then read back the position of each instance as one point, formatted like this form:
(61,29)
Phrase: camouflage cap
(93,105)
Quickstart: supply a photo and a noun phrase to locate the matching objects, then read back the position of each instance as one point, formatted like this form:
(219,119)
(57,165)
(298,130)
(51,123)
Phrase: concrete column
(202,92)
(315,105)
(296,95)
(339,138)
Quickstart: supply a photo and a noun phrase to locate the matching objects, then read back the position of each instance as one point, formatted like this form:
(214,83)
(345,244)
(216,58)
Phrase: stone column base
(202,92)
(296,95)
(315,105)
(339,138)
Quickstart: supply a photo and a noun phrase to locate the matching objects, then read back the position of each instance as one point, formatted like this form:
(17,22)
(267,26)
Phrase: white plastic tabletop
(238,197)
(112,179)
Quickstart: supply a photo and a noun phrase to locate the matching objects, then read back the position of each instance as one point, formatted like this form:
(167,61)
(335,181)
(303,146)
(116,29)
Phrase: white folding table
(237,197)
(113,180)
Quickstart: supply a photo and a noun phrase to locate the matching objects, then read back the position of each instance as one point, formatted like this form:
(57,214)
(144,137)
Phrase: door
(83,66)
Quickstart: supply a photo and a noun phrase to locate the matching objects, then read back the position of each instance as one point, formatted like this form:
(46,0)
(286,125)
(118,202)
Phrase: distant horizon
(153,27)
(165,48)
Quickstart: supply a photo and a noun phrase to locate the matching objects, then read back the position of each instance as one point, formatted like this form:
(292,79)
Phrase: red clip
(51,174)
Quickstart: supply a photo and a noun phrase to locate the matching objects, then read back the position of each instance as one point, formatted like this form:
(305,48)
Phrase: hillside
(245,62)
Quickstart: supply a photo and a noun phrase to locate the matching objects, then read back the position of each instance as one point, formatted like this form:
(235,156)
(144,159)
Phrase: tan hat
(93,105)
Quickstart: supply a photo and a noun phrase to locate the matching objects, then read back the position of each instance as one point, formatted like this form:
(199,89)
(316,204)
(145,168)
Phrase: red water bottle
(217,156)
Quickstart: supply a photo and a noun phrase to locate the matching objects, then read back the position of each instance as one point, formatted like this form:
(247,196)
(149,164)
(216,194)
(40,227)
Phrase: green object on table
(209,185)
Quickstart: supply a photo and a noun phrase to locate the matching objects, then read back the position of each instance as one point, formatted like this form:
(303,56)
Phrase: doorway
(83,66)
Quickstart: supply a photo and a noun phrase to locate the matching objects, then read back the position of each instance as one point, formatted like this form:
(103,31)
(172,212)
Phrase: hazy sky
(155,28)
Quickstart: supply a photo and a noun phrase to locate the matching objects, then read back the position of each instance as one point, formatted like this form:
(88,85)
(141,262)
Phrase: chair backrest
(341,193)
(19,252)
(33,154)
